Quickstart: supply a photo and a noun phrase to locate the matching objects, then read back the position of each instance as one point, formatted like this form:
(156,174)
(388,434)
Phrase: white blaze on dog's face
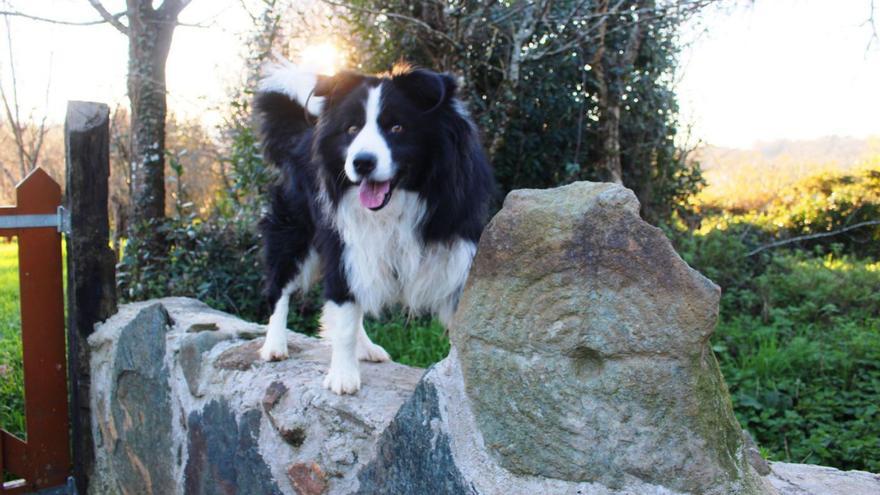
(368,160)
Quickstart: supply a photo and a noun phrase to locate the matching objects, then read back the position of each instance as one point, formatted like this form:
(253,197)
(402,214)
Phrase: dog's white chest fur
(386,261)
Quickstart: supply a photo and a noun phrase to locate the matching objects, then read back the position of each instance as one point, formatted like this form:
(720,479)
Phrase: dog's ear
(429,89)
(337,85)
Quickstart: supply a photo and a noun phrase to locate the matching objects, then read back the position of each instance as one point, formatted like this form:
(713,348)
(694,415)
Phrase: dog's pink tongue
(372,194)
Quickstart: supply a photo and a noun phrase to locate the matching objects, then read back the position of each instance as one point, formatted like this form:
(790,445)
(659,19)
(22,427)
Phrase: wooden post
(91,264)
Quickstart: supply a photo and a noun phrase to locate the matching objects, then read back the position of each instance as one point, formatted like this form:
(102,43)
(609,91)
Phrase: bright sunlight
(324,58)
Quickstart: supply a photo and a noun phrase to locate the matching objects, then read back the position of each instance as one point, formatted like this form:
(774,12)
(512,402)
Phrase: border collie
(383,191)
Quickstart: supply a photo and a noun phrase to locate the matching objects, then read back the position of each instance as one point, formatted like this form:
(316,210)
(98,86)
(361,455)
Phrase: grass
(414,341)
(11,371)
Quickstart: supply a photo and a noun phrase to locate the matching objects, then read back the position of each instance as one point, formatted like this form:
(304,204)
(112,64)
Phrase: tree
(557,87)
(149,32)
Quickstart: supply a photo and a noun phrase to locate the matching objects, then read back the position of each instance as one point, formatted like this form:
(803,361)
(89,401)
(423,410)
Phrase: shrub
(804,372)
(798,338)
(216,262)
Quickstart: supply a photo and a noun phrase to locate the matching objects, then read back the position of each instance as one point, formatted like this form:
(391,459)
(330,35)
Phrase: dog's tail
(286,108)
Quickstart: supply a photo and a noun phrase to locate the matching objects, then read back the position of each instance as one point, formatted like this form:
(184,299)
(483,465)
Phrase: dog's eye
(396,129)
(353,129)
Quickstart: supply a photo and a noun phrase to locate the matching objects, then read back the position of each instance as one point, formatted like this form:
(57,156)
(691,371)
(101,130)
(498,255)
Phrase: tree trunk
(150,33)
(612,71)
(610,135)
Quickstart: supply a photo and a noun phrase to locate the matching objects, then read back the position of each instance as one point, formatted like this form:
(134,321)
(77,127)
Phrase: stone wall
(580,365)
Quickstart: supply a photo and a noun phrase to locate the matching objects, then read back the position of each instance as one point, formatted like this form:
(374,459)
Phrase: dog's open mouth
(374,195)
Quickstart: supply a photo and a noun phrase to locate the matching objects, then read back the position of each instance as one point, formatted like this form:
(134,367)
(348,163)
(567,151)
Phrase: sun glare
(323,58)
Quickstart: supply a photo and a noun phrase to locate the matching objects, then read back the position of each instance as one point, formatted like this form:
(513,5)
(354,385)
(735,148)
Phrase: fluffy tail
(286,108)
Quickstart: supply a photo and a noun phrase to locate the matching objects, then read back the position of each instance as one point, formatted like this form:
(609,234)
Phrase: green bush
(804,372)
(798,338)
(822,203)
(217,262)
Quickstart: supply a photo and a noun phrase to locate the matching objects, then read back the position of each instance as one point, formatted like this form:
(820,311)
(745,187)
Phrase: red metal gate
(43,460)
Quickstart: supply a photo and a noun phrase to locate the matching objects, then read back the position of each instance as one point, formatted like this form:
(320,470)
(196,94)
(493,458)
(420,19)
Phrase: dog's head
(375,133)
(381,132)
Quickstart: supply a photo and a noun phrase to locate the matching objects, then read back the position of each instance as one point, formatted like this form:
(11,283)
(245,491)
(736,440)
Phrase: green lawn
(11,372)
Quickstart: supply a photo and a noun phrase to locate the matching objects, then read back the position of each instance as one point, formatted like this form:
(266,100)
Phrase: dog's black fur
(439,157)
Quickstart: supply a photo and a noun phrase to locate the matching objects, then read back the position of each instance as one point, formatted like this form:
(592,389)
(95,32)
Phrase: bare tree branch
(12,111)
(871,21)
(173,7)
(58,21)
(112,19)
(820,235)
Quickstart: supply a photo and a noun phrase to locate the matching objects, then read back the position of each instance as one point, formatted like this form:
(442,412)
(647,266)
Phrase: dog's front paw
(343,379)
(274,349)
(368,351)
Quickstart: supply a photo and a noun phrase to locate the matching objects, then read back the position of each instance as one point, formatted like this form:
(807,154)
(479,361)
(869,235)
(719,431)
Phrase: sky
(782,69)
(766,70)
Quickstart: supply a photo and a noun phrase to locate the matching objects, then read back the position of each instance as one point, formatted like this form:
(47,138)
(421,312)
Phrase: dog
(383,193)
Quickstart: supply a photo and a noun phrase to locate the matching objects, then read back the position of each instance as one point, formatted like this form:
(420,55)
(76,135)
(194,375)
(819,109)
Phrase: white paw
(368,351)
(274,349)
(343,379)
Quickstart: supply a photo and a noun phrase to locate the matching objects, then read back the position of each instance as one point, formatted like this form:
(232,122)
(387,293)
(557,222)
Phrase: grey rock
(579,365)
(218,419)
(223,454)
(192,350)
(140,407)
(583,340)
(295,435)
(753,453)
(414,455)
(805,479)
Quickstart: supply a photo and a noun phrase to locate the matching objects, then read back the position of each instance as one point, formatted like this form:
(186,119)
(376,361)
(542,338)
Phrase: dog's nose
(364,163)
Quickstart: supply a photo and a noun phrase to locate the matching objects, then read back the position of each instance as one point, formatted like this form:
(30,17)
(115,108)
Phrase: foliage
(778,165)
(798,337)
(820,203)
(412,341)
(805,370)
(216,262)
(533,84)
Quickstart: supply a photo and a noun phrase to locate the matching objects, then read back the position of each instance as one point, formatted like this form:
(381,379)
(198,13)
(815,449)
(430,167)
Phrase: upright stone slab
(134,415)
(583,343)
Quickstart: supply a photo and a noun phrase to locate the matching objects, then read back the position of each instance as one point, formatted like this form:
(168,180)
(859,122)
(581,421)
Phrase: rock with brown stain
(307,478)
(242,357)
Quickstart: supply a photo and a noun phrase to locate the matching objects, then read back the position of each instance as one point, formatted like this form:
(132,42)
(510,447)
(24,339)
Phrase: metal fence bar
(28,221)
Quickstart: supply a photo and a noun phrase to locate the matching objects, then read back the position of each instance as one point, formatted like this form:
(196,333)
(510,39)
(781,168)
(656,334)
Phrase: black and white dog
(384,191)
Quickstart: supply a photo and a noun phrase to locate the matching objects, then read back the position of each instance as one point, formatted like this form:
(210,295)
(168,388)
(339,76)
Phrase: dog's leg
(290,261)
(275,346)
(367,350)
(340,324)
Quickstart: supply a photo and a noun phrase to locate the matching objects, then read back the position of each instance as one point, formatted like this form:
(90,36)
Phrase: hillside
(746,179)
